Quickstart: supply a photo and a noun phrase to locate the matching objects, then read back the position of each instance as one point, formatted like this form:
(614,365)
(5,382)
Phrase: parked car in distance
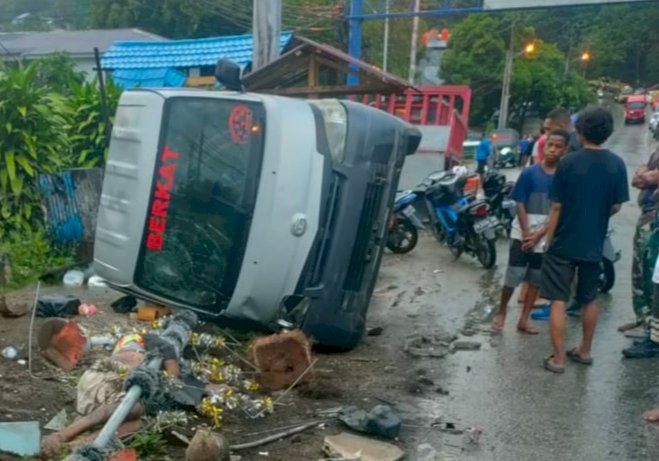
(635,109)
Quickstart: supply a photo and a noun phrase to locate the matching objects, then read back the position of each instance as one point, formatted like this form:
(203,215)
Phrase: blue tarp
(148,78)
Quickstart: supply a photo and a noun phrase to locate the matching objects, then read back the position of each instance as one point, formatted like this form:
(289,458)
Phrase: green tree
(58,72)
(33,140)
(475,57)
(174,18)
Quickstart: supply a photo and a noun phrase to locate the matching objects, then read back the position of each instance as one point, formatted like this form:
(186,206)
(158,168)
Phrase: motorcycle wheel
(607,276)
(403,237)
(486,252)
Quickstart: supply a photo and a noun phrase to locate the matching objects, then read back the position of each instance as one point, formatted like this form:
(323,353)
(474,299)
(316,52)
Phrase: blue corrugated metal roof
(148,78)
(182,53)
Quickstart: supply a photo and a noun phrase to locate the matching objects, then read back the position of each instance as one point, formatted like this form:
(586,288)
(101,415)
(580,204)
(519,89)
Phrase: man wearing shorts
(531,192)
(590,185)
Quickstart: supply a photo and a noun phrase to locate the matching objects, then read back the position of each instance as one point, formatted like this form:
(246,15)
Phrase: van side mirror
(413,140)
(228,74)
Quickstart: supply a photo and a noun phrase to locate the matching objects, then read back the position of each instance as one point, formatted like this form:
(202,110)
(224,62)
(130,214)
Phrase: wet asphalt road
(526,413)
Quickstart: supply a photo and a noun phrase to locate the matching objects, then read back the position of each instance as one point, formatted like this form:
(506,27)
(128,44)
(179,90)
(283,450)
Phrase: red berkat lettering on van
(161,196)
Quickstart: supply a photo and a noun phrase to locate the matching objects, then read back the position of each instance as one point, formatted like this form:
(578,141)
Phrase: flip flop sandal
(575,357)
(547,363)
(629,326)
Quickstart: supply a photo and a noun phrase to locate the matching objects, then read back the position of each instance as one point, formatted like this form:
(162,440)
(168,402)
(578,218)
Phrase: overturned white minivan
(250,207)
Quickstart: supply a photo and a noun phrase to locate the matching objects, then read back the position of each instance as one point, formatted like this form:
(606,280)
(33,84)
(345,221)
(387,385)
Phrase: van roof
(636,98)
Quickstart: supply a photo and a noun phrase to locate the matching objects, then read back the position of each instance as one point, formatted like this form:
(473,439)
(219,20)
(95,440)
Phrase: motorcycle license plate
(408,211)
(485,224)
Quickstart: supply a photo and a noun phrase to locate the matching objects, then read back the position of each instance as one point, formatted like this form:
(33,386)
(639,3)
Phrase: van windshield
(204,191)
(636,105)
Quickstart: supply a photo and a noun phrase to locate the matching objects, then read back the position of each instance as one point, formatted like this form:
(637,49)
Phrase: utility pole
(507,77)
(355,36)
(266,22)
(415,40)
(385,58)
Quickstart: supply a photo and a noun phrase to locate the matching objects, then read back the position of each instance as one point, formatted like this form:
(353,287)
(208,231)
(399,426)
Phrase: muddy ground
(378,371)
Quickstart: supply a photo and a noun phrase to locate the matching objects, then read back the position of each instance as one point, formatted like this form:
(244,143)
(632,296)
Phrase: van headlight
(335,118)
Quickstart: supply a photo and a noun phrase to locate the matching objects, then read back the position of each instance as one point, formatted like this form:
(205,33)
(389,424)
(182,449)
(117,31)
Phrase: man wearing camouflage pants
(649,346)
(646,179)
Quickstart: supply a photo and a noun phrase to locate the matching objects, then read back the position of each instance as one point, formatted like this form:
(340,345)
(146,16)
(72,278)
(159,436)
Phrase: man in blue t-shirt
(482,154)
(531,192)
(590,185)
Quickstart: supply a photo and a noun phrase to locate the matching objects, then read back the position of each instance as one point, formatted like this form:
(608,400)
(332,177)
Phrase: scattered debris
(380,421)
(441,391)
(149,313)
(425,381)
(57,306)
(466,346)
(448,428)
(282,359)
(20,438)
(436,346)
(62,343)
(124,305)
(10,353)
(207,446)
(96,282)
(59,421)
(273,438)
(87,310)
(127,454)
(472,435)
(13,307)
(356,448)
(74,279)
(375,331)
(419,291)
(426,452)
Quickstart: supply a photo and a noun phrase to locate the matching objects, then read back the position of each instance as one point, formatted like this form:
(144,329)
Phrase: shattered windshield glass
(203,197)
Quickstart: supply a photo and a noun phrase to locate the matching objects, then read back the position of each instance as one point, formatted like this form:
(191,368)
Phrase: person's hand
(531,241)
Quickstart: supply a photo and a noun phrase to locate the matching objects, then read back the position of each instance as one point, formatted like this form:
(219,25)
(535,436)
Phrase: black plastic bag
(57,306)
(124,305)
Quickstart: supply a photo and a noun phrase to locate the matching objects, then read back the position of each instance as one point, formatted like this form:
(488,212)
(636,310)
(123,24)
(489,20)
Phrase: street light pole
(385,59)
(507,77)
(415,40)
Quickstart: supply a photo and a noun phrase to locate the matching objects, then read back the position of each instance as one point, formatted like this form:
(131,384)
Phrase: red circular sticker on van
(240,124)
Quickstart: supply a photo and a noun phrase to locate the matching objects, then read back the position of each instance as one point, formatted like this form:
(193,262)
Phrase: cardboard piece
(357,448)
(20,438)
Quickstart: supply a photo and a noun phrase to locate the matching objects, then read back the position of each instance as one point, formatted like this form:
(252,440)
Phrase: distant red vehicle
(655,102)
(635,109)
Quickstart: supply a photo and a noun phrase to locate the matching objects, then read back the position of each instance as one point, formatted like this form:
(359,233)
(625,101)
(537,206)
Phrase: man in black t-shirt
(590,185)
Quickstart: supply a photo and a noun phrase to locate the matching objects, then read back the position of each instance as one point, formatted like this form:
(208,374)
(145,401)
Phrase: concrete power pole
(507,77)
(266,22)
(415,41)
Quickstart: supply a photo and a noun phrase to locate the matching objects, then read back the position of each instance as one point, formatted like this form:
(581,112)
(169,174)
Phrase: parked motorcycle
(464,225)
(497,192)
(610,256)
(507,158)
(404,225)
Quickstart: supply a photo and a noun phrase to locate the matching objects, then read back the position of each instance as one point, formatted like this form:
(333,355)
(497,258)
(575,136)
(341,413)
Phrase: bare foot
(498,323)
(652,416)
(527,329)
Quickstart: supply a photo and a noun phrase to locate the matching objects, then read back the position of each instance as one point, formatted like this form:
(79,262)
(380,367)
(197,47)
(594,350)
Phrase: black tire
(403,237)
(486,252)
(608,276)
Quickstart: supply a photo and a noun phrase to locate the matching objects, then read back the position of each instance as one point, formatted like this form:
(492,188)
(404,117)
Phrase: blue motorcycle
(403,228)
(464,224)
